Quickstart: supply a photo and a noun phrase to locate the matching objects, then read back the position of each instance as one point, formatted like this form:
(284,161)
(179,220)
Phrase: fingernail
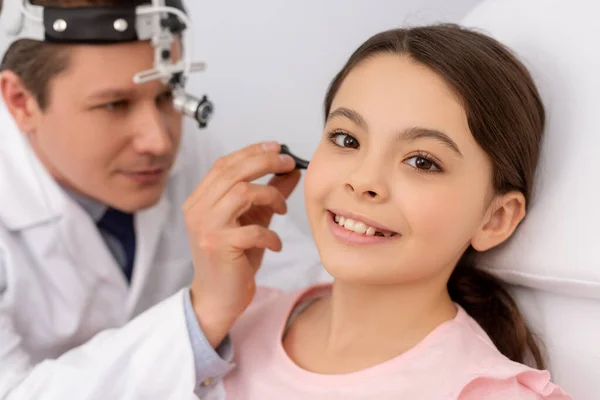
(286,159)
(270,146)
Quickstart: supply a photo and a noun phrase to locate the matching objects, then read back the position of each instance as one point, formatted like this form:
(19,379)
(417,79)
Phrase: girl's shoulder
(500,383)
(265,294)
(488,374)
(270,308)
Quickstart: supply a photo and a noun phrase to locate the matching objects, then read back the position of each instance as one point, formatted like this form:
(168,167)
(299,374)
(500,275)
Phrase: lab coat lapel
(58,232)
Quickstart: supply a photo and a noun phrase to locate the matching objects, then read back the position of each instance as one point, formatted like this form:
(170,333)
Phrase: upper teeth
(358,226)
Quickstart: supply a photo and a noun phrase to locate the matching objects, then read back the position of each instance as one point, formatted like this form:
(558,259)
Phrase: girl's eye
(423,163)
(343,139)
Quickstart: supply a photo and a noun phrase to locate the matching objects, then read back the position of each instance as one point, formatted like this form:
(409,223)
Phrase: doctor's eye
(343,139)
(120,105)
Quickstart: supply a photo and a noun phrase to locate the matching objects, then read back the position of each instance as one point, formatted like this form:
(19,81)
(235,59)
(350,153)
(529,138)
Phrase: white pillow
(557,248)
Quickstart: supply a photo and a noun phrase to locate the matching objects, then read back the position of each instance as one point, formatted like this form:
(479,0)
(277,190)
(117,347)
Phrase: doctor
(111,215)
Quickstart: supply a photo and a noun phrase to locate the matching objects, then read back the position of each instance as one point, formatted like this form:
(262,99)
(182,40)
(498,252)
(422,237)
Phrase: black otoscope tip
(300,163)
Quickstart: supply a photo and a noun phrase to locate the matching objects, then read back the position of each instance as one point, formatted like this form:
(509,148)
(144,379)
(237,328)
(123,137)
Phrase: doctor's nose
(152,135)
(368,183)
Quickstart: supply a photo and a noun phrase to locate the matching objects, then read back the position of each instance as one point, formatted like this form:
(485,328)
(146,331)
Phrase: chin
(369,265)
(145,203)
(138,200)
(356,268)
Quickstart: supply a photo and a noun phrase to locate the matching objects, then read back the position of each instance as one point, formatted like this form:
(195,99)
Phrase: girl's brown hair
(506,117)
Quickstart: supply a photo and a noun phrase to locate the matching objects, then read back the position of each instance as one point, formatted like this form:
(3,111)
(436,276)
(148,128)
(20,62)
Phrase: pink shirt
(455,361)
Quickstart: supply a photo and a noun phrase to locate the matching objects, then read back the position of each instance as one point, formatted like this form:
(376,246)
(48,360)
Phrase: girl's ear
(502,218)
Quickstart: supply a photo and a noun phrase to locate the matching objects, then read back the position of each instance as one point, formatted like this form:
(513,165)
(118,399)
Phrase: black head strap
(99,24)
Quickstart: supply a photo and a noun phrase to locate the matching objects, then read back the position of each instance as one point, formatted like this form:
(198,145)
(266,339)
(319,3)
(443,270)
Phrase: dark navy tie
(120,225)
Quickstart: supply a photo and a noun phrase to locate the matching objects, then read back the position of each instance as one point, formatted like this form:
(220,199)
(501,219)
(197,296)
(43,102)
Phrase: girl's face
(399,168)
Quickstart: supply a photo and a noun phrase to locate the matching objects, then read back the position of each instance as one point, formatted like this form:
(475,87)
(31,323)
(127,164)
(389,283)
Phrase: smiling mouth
(357,226)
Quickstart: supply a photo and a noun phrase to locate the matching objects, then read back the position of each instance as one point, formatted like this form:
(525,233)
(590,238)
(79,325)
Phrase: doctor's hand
(227,219)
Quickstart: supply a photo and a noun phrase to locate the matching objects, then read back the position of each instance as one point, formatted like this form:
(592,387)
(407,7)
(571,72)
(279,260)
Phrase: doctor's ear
(502,218)
(19,101)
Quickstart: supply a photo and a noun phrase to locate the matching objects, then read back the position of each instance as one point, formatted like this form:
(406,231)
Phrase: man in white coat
(110,217)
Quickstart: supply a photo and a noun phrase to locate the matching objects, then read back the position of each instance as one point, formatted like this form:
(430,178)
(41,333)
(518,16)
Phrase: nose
(368,182)
(152,136)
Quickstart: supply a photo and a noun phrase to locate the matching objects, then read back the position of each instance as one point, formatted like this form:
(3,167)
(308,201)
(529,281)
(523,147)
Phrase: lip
(366,220)
(354,238)
(148,176)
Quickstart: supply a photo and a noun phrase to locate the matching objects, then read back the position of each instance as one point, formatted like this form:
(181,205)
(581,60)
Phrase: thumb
(286,183)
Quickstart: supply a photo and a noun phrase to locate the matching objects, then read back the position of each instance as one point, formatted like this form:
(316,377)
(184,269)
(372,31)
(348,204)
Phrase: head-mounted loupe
(159,21)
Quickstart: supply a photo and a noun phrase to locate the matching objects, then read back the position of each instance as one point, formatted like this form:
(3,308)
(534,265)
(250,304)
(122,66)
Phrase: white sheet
(556,252)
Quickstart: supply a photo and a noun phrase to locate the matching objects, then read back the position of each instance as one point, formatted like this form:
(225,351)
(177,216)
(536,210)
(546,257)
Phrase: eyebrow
(409,134)
(418,132)
(111,93)
(349,114)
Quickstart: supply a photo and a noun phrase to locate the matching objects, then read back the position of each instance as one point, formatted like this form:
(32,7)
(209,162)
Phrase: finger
(256,167)
(244,196)
(253,236)
(286,184)
(223,162)
(249,151)
(226,173)
(246,170)
(238,157)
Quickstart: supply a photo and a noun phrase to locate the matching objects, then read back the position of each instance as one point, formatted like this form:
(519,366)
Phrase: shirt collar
(94,208)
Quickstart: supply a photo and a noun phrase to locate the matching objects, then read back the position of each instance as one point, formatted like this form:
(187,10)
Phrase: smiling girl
(428,157)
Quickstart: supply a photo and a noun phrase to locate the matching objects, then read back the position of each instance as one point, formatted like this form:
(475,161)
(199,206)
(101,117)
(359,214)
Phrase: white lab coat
(60,286)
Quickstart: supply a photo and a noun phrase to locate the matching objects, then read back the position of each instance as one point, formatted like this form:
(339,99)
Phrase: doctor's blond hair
(506,117)
(36,62)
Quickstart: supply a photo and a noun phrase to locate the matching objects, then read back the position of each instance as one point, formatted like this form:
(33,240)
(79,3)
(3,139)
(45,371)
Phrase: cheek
(315,182)
(81,147)
(442,212)
(324,176)
(175,127)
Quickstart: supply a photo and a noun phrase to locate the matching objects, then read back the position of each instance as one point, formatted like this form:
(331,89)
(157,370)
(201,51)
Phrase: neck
(393,318)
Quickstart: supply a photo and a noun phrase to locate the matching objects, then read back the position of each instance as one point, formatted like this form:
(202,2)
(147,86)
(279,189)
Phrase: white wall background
(270,62)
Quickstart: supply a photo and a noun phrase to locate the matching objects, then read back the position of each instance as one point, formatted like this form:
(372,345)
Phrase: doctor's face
(103,136)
